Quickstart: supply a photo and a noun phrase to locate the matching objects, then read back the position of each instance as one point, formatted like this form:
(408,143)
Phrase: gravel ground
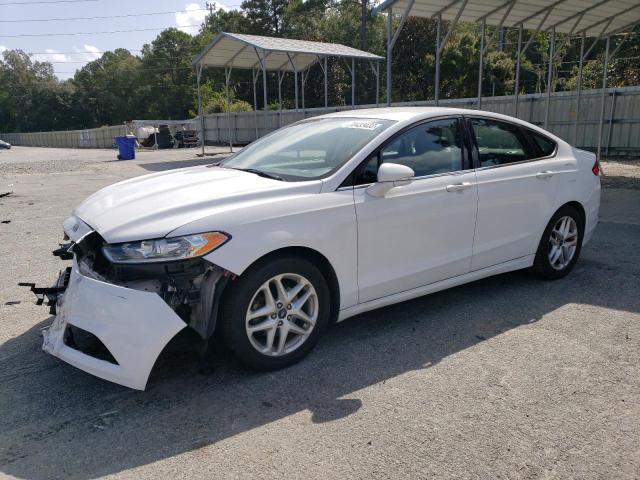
(508,377)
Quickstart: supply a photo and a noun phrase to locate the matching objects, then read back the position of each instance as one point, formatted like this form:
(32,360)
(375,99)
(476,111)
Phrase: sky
(70,52)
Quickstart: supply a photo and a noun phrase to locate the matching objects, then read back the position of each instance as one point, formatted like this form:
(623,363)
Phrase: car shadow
(57,421)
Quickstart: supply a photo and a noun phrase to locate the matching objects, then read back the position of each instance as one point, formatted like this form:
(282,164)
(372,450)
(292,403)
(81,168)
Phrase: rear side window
(545,145)
(499,143)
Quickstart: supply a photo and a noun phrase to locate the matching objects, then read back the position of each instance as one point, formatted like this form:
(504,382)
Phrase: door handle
(544,174)
(458,187)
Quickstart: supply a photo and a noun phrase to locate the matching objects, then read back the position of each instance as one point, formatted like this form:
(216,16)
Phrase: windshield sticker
(364,125)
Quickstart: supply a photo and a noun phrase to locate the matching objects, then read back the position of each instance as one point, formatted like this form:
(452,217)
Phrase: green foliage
(104,88)
(266,17)
(161,81)
(216,102)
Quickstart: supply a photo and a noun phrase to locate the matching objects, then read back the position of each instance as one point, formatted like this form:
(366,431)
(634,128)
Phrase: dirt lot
(509,377)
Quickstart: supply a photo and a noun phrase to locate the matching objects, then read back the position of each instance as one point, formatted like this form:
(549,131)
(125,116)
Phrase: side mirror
(390,175)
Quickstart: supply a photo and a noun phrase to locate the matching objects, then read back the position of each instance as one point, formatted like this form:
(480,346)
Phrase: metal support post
(440,43)
(264,90)
(437,83)
(326,89)
(227,75)
(579,90)
(295,76)
(516,90)
(611,115)
(391,40)
(198,75)
(353,82)
(303,74)
(481,64)
(604,96)
(254,76)
(376,73)
(549,77)
(377,83)
(389,53)
(280,78)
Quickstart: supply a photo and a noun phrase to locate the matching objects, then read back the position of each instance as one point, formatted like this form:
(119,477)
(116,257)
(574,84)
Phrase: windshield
(308,150)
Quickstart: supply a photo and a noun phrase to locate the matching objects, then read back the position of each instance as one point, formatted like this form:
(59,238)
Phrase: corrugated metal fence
(621,127)
(91,138)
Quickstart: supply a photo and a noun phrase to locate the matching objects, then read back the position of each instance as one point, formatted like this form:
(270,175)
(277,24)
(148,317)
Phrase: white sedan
(317,222)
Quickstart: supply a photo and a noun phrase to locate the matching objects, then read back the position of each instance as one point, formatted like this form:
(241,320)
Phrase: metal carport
(263,54)
(588,19)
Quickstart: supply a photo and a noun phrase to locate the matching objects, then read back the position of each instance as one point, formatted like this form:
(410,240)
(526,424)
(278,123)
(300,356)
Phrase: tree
(107,88)
(167,83)
(265,16)
(31,97)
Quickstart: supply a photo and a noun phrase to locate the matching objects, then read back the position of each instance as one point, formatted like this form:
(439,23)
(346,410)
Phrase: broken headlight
(165,249)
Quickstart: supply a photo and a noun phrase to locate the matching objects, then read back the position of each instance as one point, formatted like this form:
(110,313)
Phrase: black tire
(242,291)
(542,265)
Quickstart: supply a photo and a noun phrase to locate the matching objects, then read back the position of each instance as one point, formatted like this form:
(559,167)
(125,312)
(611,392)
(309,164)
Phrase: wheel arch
(572,203)
(315,257)
(580,209)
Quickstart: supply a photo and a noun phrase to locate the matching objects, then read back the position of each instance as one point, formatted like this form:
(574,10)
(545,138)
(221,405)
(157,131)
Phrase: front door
(419,233)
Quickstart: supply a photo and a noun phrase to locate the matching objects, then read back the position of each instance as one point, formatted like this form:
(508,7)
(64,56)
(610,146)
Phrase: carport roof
(594,18)
(241,51)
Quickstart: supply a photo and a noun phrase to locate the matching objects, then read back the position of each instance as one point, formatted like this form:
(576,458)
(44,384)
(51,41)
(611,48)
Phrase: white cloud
(51,55)
(87,53)
(194,14)
(64,64)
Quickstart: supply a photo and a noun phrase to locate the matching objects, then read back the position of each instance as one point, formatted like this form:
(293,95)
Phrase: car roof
(409,114)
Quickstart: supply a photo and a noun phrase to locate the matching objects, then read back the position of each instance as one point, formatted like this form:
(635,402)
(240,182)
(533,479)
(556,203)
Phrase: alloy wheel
(563,243)
(282,314)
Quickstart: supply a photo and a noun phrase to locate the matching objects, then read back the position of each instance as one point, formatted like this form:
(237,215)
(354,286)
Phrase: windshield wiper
(261,173)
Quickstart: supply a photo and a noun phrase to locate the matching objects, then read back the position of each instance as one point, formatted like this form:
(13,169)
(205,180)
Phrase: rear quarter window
(545,145)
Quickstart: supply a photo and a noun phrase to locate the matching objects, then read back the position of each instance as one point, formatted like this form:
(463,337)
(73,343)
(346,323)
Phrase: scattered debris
(6,221)
(267,404)
(5,194)
(481,337)
(12,302)
(104,420)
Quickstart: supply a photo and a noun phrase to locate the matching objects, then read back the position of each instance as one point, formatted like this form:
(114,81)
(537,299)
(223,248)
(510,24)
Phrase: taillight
(596,168)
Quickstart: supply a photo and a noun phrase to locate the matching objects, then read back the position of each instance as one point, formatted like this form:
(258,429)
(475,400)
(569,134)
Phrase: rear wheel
(560,245)
(275,313)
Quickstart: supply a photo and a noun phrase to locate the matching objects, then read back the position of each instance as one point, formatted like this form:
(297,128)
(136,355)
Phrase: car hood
(152,206)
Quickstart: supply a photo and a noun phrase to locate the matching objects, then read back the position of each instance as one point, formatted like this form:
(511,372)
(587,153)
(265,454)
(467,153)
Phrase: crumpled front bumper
(133,325)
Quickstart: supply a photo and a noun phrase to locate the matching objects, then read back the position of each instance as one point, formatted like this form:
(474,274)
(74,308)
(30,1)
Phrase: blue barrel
(126,148)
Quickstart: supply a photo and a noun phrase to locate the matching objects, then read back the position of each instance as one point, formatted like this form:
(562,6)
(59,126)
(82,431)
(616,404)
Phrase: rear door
(517,187)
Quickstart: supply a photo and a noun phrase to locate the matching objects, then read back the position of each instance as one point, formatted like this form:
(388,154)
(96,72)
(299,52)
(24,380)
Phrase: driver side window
(428,149)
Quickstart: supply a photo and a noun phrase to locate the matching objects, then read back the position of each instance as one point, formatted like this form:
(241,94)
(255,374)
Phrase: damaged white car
(316,222)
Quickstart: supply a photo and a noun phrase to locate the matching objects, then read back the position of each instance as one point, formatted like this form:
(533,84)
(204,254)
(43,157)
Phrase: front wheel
(275,313)
(560,245)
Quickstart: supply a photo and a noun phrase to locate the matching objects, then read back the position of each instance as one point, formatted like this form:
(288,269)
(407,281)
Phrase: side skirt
(511,265)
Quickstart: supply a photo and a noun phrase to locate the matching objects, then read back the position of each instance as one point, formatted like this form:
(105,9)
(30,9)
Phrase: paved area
(508,377)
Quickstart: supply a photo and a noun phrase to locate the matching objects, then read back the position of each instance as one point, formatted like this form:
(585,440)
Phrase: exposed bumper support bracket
(50,293)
